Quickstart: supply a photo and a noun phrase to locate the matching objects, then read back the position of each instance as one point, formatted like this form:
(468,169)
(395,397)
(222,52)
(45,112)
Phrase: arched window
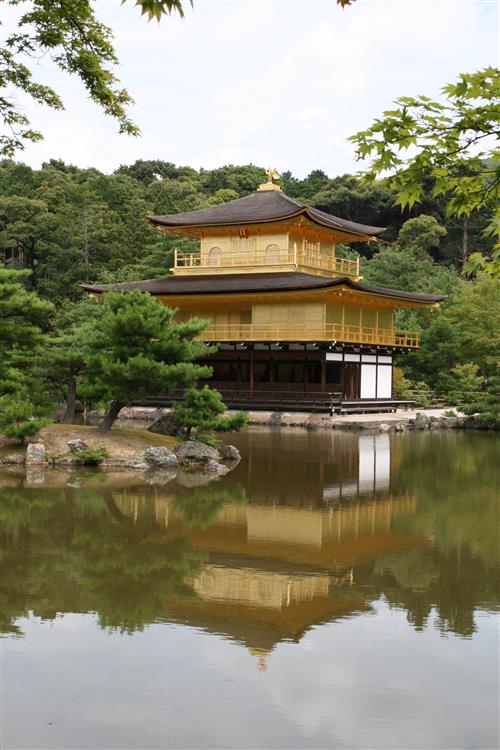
(215,256)
(272,255)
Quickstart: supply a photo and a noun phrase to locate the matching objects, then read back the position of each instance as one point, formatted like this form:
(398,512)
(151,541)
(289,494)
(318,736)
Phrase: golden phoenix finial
(272,174)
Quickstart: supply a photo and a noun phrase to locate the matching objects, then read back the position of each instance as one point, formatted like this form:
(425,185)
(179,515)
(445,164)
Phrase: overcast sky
(273,82)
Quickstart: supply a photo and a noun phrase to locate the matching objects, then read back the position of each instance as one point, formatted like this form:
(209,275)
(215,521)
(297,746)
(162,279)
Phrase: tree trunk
(69,414)
(110,416)
(465,246)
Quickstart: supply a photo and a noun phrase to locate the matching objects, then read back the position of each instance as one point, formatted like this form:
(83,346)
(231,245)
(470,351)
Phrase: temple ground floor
(303,370)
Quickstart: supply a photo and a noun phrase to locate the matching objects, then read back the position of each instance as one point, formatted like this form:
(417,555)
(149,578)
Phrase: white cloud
(276,82)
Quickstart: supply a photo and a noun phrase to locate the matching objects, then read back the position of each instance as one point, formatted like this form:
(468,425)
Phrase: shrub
(401,386)
(209,440)
(93,456)
(423,393)
(201,409)
(17,420)
(461,385)
(486,406)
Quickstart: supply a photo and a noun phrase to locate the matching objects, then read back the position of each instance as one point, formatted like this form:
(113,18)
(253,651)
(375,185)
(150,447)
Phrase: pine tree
(135,349)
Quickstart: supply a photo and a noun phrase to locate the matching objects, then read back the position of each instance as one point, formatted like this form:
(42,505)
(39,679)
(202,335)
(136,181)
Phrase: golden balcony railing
(297,258)
(329,332)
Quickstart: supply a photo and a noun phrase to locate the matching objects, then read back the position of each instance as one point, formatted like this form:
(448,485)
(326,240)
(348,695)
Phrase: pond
(336,590)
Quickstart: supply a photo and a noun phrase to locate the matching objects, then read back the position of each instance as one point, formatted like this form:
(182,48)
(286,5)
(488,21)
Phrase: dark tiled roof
(260,207)
(255,282)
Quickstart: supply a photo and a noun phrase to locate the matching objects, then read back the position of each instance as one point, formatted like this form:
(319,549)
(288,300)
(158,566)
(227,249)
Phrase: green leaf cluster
(201,409)
(453,142)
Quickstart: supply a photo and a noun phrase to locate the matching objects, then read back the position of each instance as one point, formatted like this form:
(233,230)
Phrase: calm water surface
(336,590)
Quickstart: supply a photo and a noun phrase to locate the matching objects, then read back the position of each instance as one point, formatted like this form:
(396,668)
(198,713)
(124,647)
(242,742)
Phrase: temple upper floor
(266,251)
(264,232)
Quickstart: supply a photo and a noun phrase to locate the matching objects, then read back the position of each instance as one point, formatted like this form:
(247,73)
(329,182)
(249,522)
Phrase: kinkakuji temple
(293,322)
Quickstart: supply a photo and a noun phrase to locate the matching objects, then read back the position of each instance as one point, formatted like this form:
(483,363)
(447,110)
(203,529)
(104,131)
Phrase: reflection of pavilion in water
(277,568)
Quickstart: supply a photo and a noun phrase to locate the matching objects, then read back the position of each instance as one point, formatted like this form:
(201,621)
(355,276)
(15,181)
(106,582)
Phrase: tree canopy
(134,349)
(451,143)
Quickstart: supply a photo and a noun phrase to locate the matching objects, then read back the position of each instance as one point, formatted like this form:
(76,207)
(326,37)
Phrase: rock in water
(77,445)
(214,467)
(13,458)
(158,458)
(194,450)
(35,453)
(229,453)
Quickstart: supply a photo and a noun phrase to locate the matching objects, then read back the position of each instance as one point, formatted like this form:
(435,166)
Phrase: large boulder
(158,458)
(194,450)
(165,424)
(229,453)
(421,422)
(35,453)
(77,445)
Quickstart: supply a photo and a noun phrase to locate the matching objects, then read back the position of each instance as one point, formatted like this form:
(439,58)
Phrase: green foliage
(421,234)
(486,406)
(407,269)
(156,8)
(422,393)
(466,328)
(460,385)
(92,456)
(479,263)
(22,314)
(209,440)
(135,349)
(450,142)
(17,420)
(24,400)
(201,408)
(78,44)
(401,386)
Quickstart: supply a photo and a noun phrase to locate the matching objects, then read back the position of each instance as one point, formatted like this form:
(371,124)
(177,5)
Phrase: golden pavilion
(292,320)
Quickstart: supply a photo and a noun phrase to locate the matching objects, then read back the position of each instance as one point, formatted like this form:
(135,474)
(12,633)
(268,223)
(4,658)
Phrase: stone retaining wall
(157,420)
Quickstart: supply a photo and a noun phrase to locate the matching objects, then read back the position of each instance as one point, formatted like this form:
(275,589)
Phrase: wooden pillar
(238,372)
(250,373)
(323,374)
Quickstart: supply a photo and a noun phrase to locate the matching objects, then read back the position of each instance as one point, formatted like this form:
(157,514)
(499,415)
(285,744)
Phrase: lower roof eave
(262,283)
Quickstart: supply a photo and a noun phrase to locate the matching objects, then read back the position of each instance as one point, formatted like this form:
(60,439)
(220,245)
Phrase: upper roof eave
(266,207)
(181,228)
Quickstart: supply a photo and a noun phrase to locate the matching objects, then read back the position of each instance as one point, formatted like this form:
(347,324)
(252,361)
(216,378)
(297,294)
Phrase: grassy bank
(121,443)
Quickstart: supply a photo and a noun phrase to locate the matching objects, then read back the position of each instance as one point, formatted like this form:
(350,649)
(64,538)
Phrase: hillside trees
(24,402)
(463,330)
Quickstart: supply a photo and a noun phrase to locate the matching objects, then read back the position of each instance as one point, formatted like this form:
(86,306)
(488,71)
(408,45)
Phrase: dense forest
(69,225)
(62,226)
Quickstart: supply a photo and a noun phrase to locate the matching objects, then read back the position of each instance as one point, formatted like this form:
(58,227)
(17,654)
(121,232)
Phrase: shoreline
(156,419)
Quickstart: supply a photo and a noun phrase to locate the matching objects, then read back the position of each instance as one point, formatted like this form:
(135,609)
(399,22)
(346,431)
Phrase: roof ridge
(288,199)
